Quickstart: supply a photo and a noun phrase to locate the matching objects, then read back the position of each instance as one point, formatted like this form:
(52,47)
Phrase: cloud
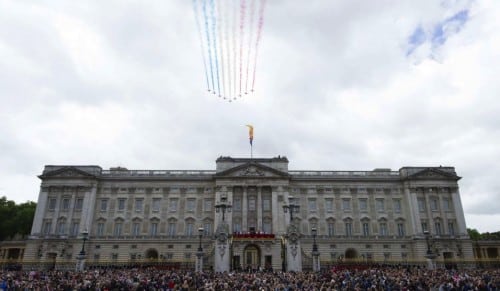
(350,85)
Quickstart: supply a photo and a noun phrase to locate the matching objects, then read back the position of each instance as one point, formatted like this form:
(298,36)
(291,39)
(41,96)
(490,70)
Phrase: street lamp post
(80,265)
(223,206)
(291,207)
(429,253)
(315,252)
(199,254)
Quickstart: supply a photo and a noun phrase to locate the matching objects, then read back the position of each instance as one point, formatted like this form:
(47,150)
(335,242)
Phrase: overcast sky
(341,85)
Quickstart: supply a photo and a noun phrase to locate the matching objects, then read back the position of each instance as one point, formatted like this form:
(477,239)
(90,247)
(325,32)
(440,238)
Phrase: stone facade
(138,216)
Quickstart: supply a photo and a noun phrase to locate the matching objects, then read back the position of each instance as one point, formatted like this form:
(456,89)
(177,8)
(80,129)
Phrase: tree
(15,218)
(474,234)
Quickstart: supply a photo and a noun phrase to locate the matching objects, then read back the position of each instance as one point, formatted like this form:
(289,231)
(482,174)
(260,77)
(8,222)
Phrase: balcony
(253,236)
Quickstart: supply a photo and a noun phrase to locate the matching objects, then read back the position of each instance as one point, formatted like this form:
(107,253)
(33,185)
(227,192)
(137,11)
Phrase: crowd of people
(375,278)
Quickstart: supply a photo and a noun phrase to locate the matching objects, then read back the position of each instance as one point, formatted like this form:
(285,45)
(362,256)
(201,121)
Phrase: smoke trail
(208,43)
(259,35)
(228,48)
(235,13)
(220,34)
(214,22)
(250,34)
(196,16)
(242,31)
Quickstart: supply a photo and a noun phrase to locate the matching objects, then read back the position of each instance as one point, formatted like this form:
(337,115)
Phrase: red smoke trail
(242,25)
(259,35)
(250,34)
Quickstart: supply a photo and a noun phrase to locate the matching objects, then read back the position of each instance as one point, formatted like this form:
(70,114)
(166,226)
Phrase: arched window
(330,222)
(365,226)
(172,227)
(61,226)
(190,231)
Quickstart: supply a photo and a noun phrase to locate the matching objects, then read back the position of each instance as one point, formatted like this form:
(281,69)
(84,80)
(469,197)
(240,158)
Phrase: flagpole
(251,151)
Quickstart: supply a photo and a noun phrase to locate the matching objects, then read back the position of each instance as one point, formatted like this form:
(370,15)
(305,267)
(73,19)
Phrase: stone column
(275,210)
(244,210)
(36,228)
(411,199)
(88,209)
(459,212)
(259,209)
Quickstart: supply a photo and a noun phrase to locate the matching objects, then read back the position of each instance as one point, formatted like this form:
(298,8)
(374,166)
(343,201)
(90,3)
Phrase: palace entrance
(152,255)
(251,257)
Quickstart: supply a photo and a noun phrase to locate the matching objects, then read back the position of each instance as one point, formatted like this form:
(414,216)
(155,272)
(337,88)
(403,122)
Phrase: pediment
(252,170)
(67,172)
(433,174)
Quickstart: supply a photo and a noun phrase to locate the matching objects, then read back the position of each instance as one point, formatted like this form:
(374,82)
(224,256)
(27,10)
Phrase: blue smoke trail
(196,16)
(208,42)
(212,11)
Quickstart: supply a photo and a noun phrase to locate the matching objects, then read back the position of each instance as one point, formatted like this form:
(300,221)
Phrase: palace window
(363,205)
(75,225)
(266,204)
(397,205)
(251,203)
(61,227)
(139,204)
(121,204)
(156,204)
(47,225)
(236,226)
(424,225)
(383,229)
(380,205)
(434,204)
(100,229)
(446,204)
(451,228)
(267,226)
(78,203)
(331,228)
(172,225)
(65,204)
(346,204)
(329,205)
(207,228)
(312,205)
(104,204)
(207,205)
(348,228)
(438,227)
(118,228)
(401,229)
(189,228)
(173,205)
(421,204)
(136,228)
(52,203)
(154,228)
(191,203)
(366,229)
(237,204)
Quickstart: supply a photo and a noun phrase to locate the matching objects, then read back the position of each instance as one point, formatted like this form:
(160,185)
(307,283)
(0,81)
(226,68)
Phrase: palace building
(247,213)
